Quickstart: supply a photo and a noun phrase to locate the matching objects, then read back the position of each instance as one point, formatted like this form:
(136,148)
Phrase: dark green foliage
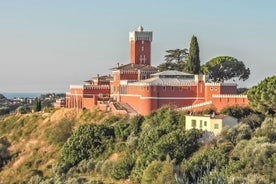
(60,132)
(236,111)
(162,134)
(151,173)
(23,109)
(4,152)
(122,167)
(237,133)
(242,90)
(37,105)
(224,68)
(255,156)
(4,110)
(88,141)
(193,61)
(177,144)
(267,129)
(112,119)
(253,120)
(262,97)
(174,60)
(202,163)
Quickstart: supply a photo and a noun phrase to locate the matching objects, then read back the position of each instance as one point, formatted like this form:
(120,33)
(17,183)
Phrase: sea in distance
(21,95)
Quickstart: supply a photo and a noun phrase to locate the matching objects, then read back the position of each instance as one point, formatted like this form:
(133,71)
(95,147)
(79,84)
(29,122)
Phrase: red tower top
(140,46)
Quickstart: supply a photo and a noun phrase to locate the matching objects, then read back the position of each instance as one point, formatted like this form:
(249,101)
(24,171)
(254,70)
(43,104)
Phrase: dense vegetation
(92,147)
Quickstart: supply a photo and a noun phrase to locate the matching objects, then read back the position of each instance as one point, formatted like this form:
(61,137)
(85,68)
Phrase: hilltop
(31,140)
(92,146)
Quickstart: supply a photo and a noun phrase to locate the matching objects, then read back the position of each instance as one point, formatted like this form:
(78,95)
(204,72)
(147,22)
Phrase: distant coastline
(21,95)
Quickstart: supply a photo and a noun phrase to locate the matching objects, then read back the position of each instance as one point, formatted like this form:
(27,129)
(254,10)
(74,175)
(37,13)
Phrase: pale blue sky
(46,45)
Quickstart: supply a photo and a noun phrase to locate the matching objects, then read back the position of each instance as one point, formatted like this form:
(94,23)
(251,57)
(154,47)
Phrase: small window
(164,88)
(200,123)
(211,88)
(172,88)
(205,123)
(189,88)
(216,126)
(142,48)
(180,88)
(193,123)
(142,41)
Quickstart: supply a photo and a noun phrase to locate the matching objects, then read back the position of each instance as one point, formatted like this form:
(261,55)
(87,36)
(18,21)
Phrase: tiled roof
(168,78)
(135,67)
(172,73)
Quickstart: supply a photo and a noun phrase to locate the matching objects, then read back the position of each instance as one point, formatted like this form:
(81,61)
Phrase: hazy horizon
(48,45)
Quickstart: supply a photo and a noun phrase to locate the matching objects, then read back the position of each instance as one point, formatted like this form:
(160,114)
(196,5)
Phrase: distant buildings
(140,88)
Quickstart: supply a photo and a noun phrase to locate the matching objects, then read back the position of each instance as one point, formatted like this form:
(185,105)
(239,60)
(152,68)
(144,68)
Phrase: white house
(210,123)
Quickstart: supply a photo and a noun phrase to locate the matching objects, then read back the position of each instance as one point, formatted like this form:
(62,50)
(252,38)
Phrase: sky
(47,45)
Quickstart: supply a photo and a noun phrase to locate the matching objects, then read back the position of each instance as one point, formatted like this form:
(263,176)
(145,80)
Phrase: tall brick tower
(140,46)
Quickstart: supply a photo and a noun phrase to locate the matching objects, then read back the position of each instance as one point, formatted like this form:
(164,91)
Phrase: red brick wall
(89,102)
(136,51)
(220,103)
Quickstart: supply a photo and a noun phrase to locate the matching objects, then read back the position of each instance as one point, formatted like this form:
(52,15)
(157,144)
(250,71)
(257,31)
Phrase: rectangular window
(200,123)
(205,123)
(172,88)
(193,123)
(164,88)
(216,126)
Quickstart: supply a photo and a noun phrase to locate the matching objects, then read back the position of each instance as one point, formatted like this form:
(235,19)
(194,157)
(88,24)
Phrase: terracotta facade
(143,88)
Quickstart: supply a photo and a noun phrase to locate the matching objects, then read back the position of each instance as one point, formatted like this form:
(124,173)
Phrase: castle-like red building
(140,88)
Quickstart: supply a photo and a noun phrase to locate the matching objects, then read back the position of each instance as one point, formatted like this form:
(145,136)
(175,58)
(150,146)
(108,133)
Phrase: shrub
(122,167)
(88,141)
(60,132)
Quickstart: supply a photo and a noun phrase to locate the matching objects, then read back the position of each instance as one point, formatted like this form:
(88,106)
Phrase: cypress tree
(37,105)
(193,61)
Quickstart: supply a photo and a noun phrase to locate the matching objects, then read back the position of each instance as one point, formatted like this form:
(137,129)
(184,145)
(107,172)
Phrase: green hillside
(90,146)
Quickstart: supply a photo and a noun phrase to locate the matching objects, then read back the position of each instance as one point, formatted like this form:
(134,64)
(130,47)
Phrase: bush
(23,110)
(4,110)
(122,167)
(60,132)
(236,111)
(88,141)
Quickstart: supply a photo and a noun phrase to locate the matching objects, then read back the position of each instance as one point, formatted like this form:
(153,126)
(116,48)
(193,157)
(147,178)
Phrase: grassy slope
(30,150)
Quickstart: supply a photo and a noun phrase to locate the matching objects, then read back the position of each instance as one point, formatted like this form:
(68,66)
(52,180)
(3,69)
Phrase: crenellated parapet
(195,106)
(228,96)
(220,84)
(98,87)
